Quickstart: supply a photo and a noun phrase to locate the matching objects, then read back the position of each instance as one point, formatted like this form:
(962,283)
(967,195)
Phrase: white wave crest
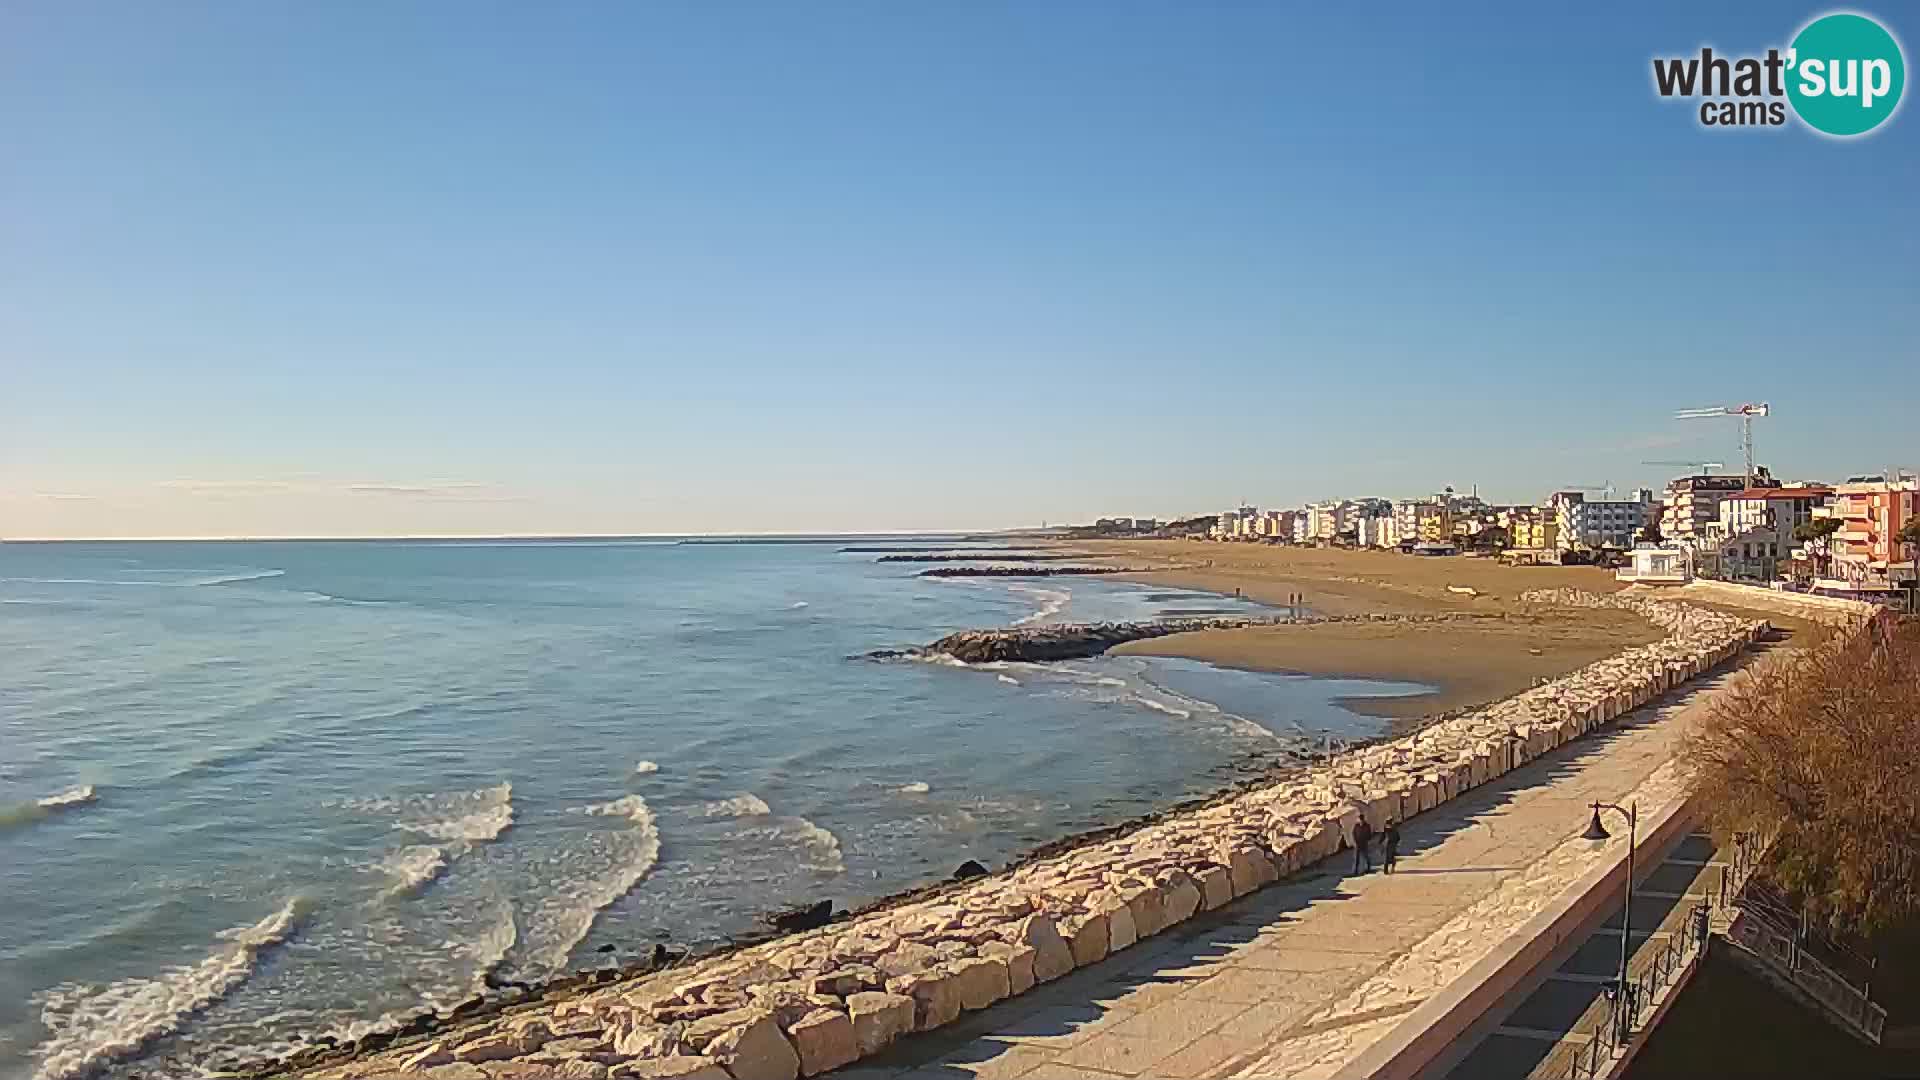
(91,1026)
(646,767)
(798,604)
(918,787)
(1008,679)
(823,848)
(1162,707)
(472,828)
(469,816)
(1052,602)
(413,866)
(233,578)
(558,922)
(745,804)
(71,797)
(632,807)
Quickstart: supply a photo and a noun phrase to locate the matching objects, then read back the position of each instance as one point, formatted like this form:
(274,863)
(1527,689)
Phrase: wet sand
(1493,648)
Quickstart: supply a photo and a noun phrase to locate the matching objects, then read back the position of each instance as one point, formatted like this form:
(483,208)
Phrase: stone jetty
(985,556)
(813,1001)
(1055,641)
(1032,571)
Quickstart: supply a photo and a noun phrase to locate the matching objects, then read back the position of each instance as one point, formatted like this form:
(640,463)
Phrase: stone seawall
(810,1002)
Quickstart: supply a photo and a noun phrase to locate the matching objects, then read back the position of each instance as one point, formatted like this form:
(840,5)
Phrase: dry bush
(1822,750)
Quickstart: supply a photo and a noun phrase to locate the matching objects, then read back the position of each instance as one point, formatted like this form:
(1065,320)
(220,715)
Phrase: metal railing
(1615,1018)
(1770,926)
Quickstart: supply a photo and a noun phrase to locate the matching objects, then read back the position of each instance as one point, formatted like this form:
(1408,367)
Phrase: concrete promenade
(1297,980)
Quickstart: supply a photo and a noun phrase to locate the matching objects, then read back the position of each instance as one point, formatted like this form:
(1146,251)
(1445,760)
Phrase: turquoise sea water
(256,792)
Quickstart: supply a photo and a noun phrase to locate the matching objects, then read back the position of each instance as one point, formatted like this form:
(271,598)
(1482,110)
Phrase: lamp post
(1597,831)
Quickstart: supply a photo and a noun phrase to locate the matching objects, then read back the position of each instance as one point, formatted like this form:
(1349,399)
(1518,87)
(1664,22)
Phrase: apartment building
(1600,523)
(1754,533)
(1691,503)
(1865,559)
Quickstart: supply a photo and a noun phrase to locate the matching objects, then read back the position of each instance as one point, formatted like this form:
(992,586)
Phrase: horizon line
(514,536)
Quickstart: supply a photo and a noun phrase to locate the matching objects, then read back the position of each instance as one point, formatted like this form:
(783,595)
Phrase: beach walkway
(1297,980)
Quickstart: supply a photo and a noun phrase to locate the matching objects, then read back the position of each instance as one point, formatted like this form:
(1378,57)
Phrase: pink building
(1866,559)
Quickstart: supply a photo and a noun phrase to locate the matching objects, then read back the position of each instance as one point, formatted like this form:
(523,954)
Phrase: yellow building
(1535,530)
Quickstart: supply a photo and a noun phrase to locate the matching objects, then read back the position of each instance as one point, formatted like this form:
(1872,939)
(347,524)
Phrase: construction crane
(1606,489)
(1746,413)
(1704,466)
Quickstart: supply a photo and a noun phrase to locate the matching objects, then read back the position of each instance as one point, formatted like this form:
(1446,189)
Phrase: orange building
(1865,556)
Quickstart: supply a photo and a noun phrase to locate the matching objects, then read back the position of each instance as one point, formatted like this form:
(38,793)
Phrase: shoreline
(1048,912)
(1488,646)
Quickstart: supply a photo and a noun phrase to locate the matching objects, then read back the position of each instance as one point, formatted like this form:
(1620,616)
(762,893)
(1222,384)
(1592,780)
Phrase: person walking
(1390,847)
(1363,847)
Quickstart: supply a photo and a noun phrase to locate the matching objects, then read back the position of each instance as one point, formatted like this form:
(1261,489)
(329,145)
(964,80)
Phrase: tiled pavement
(1297,979)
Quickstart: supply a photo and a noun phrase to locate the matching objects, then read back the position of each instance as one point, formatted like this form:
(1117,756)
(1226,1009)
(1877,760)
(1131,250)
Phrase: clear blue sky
(361,268)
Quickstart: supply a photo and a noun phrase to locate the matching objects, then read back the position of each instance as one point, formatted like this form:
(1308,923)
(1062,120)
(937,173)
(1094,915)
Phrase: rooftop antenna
(1746,413)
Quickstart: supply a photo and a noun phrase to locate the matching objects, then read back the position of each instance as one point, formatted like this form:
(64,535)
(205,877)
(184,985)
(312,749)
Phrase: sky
(436,268)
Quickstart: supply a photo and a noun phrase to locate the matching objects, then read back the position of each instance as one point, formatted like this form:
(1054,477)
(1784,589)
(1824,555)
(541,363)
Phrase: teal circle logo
(1845,74)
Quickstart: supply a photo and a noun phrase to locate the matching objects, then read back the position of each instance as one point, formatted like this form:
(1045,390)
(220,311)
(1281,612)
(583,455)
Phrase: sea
(256,793)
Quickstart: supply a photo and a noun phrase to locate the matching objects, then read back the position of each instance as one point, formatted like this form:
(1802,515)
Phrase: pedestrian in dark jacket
(1362,847)
(1390,846)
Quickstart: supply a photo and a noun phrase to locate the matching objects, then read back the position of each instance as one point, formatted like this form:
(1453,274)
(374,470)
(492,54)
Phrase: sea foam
(71,797)
(1052,602)
(617,860)
(414,866)
(91,1026)
(466,816)
(745,804)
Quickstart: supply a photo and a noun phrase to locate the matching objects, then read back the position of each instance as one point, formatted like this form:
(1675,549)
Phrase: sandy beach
(1496,647)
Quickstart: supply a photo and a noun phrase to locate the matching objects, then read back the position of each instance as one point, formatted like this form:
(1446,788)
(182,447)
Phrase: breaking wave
(414,866)
(1052,602)
(469,816)
(646,767)
(618,859)
(90,1026)
(70,797)
(25,813)
(745,804)
(822,847)
(232,579)
(918,787)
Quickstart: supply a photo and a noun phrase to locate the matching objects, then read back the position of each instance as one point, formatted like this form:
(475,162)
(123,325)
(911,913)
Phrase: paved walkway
(1553,1025)
(1297,979)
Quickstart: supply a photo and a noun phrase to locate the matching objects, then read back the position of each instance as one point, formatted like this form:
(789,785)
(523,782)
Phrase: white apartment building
(1376,531)
(1326,520)
(1691,503)
(1754,532)
(1600,523)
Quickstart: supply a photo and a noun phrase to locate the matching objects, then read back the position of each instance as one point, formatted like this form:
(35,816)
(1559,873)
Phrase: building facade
(1865,559)
(1691,503)
(1590,524)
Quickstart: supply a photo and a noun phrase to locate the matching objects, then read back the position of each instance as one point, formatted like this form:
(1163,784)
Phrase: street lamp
(1597,831)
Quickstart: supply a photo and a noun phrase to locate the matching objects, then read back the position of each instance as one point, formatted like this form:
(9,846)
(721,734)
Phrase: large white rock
(1053,957)
(756,1050)
(879,1018)
(824,1040)
(980,981)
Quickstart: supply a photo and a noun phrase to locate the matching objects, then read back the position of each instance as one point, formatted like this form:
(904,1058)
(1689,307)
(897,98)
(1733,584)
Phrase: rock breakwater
(1032,571)
(813,1001)
(983,557)
(1046,642)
